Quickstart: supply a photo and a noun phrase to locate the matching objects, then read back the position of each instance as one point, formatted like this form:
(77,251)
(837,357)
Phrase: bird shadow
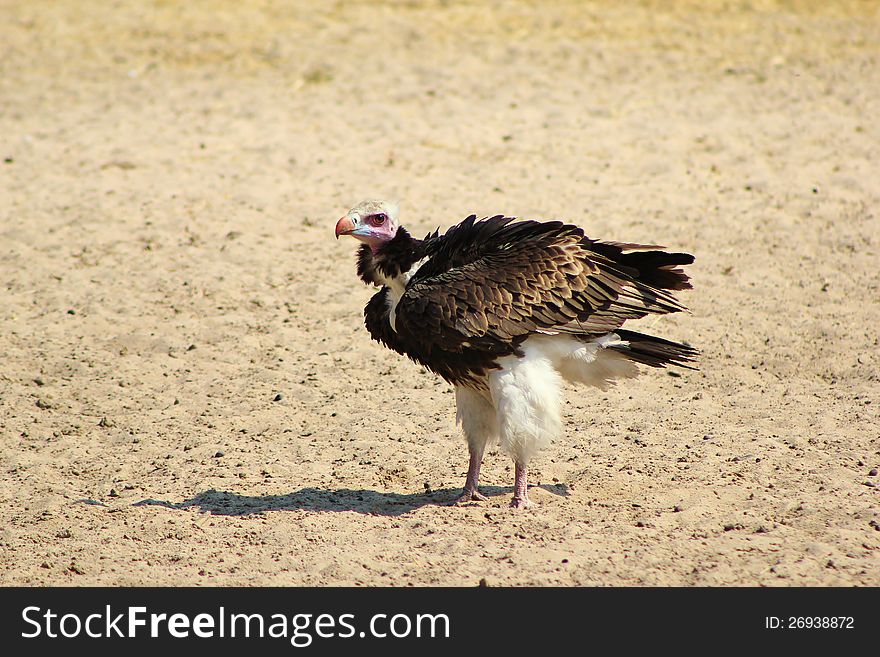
(364,501)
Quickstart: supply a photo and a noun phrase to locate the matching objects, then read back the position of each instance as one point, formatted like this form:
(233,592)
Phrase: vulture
(507,310)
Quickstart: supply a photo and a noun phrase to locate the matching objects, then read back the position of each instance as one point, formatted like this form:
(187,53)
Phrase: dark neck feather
(390,259)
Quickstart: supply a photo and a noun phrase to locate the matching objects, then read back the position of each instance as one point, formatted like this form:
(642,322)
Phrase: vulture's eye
(378,219)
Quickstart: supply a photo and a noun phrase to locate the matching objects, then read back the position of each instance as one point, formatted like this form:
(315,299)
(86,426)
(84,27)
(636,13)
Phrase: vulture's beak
(344,226)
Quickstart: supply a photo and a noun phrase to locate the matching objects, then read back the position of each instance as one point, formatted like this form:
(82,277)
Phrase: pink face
(373,227)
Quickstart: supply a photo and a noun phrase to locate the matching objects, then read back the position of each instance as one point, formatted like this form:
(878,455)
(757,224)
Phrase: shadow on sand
(318,499)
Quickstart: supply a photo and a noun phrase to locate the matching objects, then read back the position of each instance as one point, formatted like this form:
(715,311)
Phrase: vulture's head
(372,222)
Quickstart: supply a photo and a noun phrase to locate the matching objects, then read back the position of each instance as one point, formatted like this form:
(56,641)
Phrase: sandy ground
(188,395)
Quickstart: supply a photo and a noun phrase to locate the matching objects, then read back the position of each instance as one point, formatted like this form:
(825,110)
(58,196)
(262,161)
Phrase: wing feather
(498,280)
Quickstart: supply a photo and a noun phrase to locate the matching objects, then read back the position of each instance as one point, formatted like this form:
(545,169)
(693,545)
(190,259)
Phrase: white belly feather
(525,393)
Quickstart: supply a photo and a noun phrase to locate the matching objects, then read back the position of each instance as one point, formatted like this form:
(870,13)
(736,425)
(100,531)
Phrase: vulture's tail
(655,352)
(648,264)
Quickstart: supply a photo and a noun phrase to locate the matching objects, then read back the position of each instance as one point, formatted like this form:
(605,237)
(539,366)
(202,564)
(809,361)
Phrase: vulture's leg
(520,488)
(527,390)
(471,491)
(476,414)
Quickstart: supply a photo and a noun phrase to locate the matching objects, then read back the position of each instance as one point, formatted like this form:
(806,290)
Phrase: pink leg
(471,492)
(520,488)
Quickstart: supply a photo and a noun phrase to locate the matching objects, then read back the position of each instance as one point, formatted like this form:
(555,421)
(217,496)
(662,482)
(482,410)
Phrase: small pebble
(278,397)
(219,454)
(873,472)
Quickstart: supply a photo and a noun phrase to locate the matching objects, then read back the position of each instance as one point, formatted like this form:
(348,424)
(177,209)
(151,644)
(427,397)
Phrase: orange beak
(344,226)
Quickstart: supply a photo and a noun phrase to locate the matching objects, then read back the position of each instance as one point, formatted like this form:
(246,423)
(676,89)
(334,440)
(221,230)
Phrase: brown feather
(488,284)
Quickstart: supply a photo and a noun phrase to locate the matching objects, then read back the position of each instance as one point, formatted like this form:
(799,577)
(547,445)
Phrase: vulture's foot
(520,502)
(470,495)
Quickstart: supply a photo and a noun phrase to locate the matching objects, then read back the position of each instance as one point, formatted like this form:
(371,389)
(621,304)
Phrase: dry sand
(170,177)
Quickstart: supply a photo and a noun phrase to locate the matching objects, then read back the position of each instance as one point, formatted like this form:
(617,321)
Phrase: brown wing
(509,279)
(376,321)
